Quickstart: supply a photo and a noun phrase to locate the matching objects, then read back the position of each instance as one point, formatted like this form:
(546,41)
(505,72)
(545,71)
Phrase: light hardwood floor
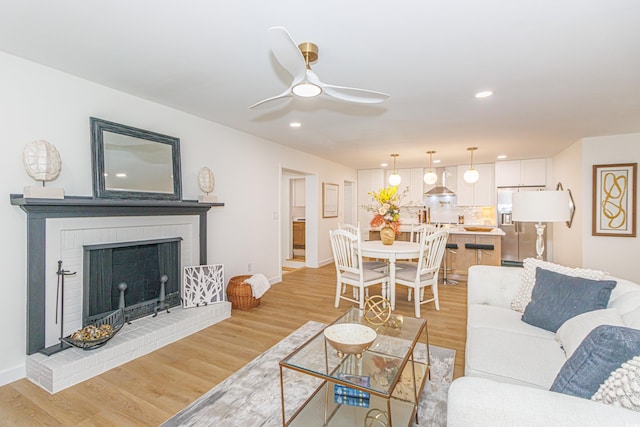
(149,390)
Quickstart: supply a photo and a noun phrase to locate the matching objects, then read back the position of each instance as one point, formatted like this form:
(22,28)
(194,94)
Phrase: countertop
(459,229)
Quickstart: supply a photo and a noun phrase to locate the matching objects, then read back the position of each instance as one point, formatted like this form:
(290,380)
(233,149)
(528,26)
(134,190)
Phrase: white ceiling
(561,69)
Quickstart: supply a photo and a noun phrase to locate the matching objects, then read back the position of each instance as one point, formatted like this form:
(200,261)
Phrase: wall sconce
(430,177)
(394,179)
(471,176)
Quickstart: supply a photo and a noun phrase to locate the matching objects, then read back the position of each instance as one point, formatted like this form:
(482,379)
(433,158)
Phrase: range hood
(441,189)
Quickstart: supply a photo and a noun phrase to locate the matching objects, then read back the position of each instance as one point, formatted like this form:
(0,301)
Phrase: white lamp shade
(394,180)
(430,177)
(541,206)
(471,176)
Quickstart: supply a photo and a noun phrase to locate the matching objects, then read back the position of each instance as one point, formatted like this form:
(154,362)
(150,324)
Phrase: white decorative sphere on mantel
(41,160)
(206,180)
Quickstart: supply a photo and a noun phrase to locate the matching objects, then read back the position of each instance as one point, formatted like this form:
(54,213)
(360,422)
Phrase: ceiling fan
(296,59)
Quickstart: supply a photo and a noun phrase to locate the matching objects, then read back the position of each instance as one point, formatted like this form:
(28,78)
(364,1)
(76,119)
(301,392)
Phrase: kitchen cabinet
(463,258)
(518,173)
(368,180)
(481,193)
(298,234)
(297,193)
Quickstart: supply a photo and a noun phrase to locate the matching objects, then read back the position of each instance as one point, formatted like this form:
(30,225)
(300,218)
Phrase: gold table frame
(395,345)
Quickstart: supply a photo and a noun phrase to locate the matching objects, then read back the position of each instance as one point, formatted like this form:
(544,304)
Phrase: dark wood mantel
(38,210)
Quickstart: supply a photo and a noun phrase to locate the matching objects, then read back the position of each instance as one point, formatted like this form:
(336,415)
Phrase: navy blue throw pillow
(557,298)
(603,351)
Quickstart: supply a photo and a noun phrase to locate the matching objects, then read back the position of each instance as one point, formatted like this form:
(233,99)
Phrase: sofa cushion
(604,350)
(557,297)
(622,388)
(505,319)
(574,330)
(512,357)
(529,278)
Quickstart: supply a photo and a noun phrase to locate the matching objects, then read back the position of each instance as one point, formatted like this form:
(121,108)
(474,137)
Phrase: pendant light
(430,177)
(471,175)
(394,179)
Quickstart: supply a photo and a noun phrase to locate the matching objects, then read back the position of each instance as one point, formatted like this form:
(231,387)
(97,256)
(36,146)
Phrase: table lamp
(539,207)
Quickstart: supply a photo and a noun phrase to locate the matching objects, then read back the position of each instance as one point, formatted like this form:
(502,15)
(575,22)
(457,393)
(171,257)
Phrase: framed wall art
(614,200)
(329,200)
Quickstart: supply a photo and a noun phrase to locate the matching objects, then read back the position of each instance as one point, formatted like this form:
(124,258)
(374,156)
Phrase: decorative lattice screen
(203,284)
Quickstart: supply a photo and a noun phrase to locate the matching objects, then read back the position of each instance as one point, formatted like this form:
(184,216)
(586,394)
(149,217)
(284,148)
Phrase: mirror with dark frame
(131,163)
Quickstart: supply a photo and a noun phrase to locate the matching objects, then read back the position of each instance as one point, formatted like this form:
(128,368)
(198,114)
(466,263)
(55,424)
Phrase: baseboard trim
(14,374)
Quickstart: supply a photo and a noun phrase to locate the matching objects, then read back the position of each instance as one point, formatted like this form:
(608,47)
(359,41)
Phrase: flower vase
(387,235)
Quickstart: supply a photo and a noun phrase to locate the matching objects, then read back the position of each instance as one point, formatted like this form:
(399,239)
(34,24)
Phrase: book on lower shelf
(351,401)
(349,395)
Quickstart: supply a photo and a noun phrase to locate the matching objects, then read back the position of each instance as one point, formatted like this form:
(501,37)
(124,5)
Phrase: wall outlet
(249,267)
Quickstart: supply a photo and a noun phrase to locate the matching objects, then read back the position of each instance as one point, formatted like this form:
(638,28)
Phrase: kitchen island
(475,245)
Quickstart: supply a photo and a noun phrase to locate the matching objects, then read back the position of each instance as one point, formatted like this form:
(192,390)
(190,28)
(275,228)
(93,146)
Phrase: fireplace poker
(59,303)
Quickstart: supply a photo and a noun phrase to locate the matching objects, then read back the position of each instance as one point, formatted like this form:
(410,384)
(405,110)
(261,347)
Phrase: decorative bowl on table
(350,338)
(478,228)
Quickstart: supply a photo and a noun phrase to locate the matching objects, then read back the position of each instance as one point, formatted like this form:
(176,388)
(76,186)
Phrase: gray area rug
(251,396)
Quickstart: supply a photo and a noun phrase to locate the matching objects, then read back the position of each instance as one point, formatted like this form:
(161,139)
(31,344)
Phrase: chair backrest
(432,249)
(355,229)
(417,231)
(346,250)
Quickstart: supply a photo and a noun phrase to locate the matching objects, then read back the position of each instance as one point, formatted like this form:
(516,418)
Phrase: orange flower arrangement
(387,208)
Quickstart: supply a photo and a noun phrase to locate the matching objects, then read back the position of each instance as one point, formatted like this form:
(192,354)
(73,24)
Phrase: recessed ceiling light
(502,156)
(295,124)
(384,165)
(484,94)
(436,161)
(121,175)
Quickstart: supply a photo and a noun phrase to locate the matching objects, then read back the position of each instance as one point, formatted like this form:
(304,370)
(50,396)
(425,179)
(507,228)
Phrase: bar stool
(450,247)
(479,247)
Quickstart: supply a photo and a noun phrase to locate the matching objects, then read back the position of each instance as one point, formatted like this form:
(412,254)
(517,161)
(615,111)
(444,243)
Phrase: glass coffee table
(380,388)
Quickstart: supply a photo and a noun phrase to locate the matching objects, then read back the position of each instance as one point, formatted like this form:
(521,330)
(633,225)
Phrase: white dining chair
(426,272)
(350,269)
(369,265)
(418,232)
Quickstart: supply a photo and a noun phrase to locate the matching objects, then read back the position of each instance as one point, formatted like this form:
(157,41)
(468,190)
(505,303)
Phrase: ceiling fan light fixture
(471,176)
(430,177)
(306,90)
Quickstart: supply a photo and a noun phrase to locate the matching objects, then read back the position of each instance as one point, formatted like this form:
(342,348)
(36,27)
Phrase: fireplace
(142,276)
(61,231)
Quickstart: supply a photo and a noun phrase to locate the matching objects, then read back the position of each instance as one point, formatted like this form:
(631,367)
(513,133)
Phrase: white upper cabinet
(483,192)
(517,173)
(368,180)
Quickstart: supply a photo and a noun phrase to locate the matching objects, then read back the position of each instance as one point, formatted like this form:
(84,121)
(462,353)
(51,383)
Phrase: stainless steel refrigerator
(519,241)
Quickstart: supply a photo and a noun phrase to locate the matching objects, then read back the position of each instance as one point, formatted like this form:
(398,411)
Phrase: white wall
(567,169)
(41,103)
(617,255)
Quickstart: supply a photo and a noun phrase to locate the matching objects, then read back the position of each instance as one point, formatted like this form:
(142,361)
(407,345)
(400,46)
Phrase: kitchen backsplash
(451,214)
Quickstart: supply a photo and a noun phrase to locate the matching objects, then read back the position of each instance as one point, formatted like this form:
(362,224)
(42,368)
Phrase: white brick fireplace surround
(65,236)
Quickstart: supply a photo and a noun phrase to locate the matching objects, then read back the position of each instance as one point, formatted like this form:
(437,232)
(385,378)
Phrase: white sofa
(510,365)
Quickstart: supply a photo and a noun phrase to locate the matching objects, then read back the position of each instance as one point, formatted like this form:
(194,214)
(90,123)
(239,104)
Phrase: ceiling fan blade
(286,94)
(287,52)
(351,94)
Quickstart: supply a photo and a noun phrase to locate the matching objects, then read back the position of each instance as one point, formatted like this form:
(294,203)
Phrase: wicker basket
(240,295)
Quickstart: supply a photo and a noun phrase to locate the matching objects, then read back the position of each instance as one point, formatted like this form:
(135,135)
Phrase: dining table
(399,250)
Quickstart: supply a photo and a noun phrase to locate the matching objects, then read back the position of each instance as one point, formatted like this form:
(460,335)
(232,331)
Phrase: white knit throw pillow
(529,279)
(622,388)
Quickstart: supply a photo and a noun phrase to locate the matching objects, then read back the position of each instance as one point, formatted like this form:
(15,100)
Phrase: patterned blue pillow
(557,298)
(603,351)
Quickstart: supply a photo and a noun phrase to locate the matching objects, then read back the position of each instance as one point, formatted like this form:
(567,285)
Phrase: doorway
(298,243)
